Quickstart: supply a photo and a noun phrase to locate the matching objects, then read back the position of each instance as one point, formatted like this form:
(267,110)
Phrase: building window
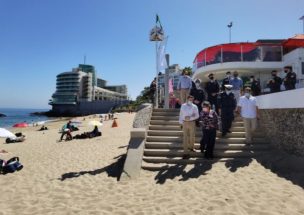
(302,68)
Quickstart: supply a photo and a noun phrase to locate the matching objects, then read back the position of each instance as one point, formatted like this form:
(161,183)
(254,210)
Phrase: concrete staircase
(163,144)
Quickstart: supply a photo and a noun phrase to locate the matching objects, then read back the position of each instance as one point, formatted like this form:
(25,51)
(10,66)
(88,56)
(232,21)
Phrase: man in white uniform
(249,111)
(187,116)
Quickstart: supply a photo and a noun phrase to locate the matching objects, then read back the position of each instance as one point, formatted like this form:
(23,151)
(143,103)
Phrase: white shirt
(248,107)
(188,110)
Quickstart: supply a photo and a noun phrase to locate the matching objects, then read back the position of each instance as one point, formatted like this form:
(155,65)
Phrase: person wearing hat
(198,93)
(290,78)
(209,120)
(187,116)
(227,105)
(226,80)
(212,88)
(237,85)
(184,86)
(248,108)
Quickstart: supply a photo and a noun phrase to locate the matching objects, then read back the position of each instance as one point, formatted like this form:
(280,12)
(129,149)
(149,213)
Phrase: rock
(2,115)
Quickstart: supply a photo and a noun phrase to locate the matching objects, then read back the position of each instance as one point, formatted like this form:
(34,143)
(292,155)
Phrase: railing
(240,52)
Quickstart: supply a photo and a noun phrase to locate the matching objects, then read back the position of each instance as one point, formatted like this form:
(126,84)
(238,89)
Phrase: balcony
(244,57)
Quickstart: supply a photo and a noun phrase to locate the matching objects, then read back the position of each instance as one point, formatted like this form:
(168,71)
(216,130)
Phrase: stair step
(176,118)
(217,153)
(219,146)
(165,113)
(176,123)
(198,133)
(178,128)
(153,161)
(197,139)
(164,122)
(161,163)
(166,110)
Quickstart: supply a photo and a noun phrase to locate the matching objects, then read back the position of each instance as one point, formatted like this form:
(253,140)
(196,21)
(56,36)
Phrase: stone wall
(284,128)
(143,115)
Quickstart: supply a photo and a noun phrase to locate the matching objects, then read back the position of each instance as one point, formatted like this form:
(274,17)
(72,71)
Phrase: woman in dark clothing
(209,120)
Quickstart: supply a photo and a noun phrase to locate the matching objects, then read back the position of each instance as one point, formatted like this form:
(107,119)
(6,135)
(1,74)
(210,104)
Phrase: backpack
(10,166)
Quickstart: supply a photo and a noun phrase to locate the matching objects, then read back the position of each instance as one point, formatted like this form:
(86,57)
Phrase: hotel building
(79,91)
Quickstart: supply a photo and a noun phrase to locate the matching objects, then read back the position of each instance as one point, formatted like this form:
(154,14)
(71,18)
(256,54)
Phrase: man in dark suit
(227,105)
(212,88)
(290,78)
(275,83)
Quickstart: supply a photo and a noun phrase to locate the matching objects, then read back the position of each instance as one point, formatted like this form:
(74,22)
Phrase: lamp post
(302,18)
(229,26)
(157,35)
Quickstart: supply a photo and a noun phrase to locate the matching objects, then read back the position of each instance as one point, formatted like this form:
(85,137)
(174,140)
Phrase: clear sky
(42,38)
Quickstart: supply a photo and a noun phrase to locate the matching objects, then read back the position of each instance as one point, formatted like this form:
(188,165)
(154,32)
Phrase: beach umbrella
(94,123)
(6,133)
(20,125)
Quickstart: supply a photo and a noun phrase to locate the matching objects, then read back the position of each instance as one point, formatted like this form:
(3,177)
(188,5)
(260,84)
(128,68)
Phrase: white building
(258,58)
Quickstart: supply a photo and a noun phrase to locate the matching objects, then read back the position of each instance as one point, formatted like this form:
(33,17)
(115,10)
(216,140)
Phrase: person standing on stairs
(227,106)
(199,96)
(187,116)
(249,112)
(184,86)
(209,126)
(212,89)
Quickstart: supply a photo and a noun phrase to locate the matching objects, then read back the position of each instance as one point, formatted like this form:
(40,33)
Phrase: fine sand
(80,177)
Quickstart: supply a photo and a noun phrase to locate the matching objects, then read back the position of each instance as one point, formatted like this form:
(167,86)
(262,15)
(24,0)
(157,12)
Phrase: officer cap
(228,86)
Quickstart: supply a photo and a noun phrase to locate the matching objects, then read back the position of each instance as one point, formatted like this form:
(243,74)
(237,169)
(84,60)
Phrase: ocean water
(17,115)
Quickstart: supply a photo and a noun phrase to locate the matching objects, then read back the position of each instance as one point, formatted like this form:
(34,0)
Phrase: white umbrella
(6,133)
(95,123)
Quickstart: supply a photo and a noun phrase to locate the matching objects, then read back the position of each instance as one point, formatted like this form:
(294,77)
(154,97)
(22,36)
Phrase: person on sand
(66,130)
(249,112)
(187,117)
(209,126)
(95,132)
(3,151)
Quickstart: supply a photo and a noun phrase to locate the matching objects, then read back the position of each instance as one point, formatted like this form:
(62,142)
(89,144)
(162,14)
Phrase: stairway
(163,144)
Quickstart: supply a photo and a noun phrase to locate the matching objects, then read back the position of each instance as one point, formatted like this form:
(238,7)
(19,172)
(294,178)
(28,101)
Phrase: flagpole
(156,81)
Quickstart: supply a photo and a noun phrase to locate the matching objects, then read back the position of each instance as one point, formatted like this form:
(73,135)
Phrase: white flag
(162,62)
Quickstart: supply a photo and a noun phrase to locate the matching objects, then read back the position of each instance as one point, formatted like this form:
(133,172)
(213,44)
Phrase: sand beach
(80,177)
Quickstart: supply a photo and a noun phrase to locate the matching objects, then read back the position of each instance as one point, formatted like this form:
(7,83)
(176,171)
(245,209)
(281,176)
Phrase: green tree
(188,69)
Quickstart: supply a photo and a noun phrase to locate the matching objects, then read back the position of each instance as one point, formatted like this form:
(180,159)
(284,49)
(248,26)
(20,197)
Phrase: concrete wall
(282,119)
(143,115)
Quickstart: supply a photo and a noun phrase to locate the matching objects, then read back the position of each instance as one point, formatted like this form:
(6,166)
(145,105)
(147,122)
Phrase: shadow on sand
(234,164)
(179,170)
(284,165)
(113,170)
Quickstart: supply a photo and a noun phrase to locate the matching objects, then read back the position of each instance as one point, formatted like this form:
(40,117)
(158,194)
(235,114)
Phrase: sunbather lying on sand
(3,151)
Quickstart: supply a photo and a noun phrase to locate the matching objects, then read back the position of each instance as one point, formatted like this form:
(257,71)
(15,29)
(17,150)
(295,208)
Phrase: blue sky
(41,38)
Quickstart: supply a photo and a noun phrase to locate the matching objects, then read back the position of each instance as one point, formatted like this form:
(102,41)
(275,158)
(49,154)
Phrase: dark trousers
(213,101)
(207,142)
(226,123)
(68,135)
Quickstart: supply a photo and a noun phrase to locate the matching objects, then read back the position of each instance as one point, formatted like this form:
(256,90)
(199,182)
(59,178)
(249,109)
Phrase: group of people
(276,82)
(68,128)
(214,108)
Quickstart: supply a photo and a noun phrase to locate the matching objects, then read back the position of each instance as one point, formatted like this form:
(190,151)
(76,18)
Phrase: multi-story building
(80,88)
